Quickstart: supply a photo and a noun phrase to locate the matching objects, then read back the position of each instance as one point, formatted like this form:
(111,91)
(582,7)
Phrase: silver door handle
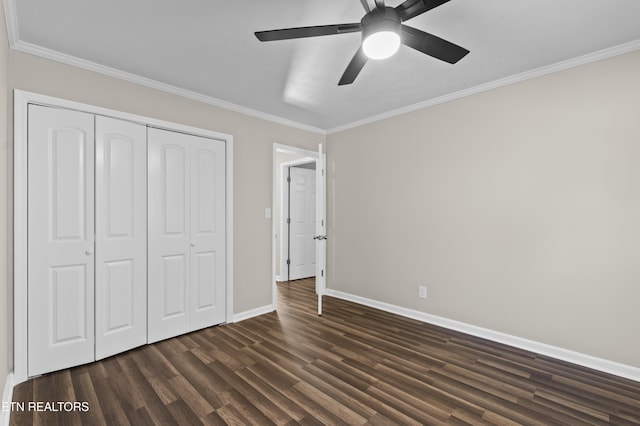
(319,237)
(193,244)
(88,252)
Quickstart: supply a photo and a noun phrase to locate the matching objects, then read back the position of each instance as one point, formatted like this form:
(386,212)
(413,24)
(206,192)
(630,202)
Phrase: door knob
(88,252)
(193,244)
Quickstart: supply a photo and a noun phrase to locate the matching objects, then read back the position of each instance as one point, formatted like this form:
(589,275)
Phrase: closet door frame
(22,99)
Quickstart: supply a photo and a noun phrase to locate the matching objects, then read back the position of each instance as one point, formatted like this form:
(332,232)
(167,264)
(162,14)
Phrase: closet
(125,236)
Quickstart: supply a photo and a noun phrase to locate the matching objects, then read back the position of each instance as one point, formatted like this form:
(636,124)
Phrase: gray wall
(518,208)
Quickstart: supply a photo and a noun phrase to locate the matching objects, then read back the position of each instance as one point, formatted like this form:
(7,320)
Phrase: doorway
(284,158)
(298,220)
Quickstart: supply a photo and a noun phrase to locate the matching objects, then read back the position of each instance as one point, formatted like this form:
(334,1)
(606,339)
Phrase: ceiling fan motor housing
(382,19)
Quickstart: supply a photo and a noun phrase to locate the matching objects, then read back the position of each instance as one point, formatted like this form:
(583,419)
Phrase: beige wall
(253,143)
(6,312)
(518,208)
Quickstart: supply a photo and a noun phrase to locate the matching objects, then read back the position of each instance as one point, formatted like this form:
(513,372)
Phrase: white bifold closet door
(186,234)
(87,241)
(121,236)
(60,239)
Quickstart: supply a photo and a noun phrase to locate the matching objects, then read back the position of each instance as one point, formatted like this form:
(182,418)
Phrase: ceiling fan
(382,33)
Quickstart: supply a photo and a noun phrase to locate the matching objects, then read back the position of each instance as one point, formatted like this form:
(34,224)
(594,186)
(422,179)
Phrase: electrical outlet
(422,292)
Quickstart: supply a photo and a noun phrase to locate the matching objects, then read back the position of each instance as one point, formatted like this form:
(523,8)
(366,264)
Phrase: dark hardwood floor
(354,365)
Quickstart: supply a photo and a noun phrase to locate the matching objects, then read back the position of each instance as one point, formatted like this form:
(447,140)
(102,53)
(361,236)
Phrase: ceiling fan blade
(354,68)
(412,8)
(379,4)
(432,45)
(301,32)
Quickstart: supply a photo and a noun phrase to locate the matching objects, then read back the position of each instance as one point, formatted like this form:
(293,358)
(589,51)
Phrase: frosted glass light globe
(381,45)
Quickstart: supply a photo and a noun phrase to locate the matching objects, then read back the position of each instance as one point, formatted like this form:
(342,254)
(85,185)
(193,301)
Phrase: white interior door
(207,230)
(121,236)
(321,227)
(186,250)
(60,239)
(302,215)
(168,234)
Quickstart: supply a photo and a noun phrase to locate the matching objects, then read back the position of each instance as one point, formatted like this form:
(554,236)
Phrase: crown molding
(54,55)
(527,75)
(11,19)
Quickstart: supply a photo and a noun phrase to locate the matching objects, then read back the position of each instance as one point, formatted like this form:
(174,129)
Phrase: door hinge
(289,179)
(322,272)
(288,261)
(288,220)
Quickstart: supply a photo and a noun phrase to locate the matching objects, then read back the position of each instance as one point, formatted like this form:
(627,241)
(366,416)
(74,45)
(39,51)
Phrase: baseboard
(7,395)
(253,313)
(606,366)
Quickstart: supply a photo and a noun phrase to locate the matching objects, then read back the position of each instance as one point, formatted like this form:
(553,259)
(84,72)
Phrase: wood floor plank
(355,365)
(182,414)
(146,391)
(311,406)
(261,402)
(405,403)
(277,398)
(321,381)
(84,386)
(199,377)
(246,408)
(346,386)
(189,394)
(110,405)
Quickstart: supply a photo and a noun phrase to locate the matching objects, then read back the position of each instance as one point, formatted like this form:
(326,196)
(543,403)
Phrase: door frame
(284,204)
(21,100)
(309,156)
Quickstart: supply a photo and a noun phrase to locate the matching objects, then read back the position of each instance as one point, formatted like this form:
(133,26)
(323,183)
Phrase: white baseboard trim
(253,313)
(7,395)
(611,367)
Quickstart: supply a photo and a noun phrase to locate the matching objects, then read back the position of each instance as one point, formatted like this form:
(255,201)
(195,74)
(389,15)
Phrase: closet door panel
(121,236)
(168,207)
(174,190)
(60,239)
(186,233)
(207,232)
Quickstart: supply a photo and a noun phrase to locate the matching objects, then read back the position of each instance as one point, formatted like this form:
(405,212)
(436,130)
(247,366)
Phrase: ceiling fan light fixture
(381,33)
(381,45)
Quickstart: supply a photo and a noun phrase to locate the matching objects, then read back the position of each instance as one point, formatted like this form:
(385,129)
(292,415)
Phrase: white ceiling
(206,49)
